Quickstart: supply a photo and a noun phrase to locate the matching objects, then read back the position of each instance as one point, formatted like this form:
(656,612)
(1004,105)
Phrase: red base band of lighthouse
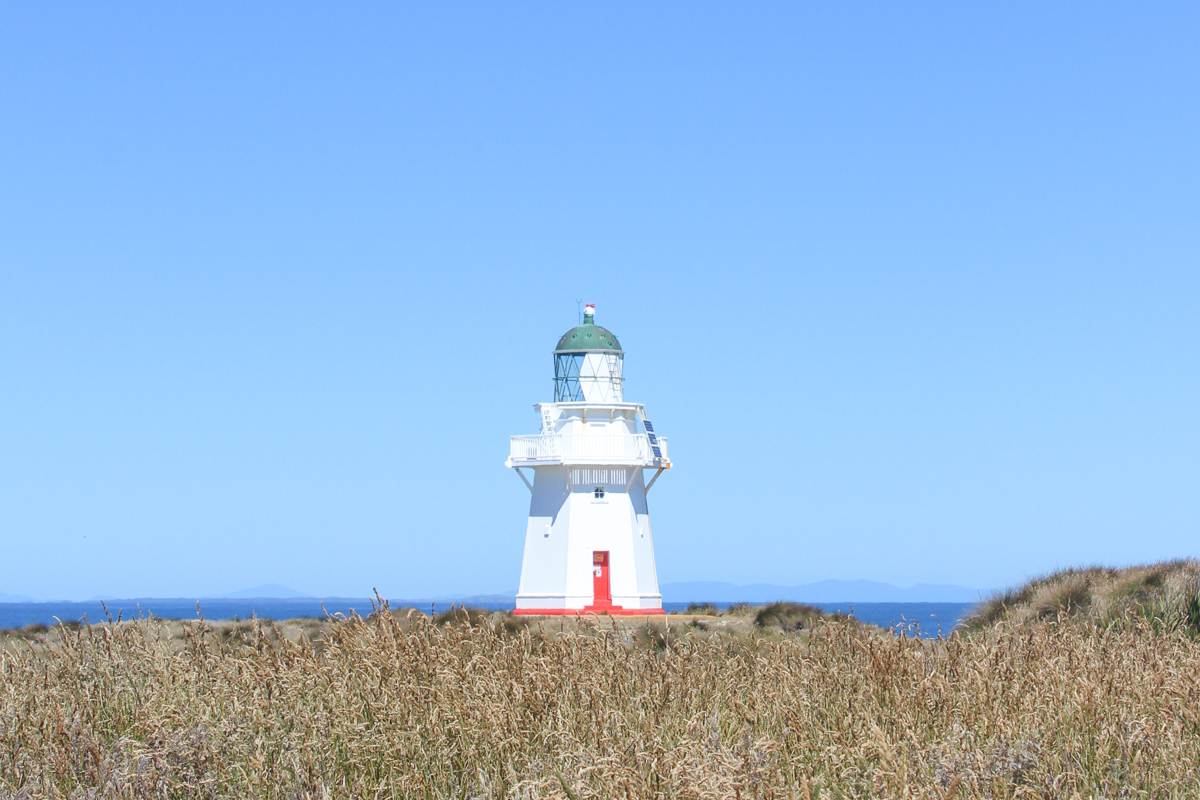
(612,611)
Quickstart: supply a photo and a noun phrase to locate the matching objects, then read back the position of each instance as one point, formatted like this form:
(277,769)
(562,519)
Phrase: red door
(601,591)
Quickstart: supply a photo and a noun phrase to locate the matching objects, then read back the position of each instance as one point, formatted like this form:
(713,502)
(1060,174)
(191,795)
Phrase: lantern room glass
(588,377)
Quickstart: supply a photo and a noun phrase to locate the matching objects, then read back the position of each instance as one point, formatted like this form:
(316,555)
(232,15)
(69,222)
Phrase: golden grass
(398,706)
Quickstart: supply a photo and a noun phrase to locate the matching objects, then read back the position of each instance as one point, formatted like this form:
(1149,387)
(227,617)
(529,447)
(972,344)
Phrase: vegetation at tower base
(1165,596)
(398,705)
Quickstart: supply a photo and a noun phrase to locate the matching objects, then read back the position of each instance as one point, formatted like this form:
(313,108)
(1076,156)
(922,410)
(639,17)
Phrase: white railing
(591,449)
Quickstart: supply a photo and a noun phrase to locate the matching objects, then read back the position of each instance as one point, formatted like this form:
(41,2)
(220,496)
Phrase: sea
(927,620)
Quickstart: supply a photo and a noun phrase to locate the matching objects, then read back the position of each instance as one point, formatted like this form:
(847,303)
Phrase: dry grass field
(706,706)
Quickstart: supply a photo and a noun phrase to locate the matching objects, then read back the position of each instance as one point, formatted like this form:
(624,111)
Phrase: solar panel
(654,446)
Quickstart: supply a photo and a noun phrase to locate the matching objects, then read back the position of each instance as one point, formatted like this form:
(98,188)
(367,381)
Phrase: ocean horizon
(926,619)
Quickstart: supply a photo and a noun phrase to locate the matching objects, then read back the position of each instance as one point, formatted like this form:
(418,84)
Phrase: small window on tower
(599,493)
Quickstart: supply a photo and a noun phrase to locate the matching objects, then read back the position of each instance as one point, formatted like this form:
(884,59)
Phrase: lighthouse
(588,544)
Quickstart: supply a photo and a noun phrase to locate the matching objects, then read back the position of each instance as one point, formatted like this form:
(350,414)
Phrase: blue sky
(913,290)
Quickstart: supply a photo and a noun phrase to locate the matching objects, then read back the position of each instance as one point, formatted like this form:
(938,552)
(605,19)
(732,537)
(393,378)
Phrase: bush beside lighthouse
(588,542)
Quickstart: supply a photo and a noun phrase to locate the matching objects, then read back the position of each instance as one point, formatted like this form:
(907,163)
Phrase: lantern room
(588,363)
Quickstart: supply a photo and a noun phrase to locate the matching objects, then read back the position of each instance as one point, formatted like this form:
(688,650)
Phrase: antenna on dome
(578,310)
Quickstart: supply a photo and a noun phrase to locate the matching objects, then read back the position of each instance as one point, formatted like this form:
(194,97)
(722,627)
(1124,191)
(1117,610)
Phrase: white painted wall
(566,524)
(576,419)
(600,378)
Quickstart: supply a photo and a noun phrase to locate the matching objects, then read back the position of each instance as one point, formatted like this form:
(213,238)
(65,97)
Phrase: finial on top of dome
(589,313)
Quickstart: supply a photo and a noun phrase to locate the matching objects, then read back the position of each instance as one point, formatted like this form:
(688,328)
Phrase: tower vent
(599,477)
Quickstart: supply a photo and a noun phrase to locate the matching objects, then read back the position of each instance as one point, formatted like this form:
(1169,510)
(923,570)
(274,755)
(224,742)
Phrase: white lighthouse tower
(588,545)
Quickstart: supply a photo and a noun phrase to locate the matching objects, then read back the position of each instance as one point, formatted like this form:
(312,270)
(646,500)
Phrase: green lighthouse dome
(589,337)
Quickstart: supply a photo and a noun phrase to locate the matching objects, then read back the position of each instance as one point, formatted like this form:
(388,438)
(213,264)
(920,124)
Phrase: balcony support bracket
(524,480)
(650,485)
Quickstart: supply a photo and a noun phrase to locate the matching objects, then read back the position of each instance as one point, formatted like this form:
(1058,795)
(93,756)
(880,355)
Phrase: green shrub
(789,616)
(741,610)
(702,608)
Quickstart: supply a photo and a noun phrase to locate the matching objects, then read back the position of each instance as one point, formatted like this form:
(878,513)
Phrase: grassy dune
(1165,596)
(698,707)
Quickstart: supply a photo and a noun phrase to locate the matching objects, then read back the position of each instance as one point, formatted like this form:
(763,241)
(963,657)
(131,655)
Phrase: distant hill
(15,598)
(831,591)
(266,590)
